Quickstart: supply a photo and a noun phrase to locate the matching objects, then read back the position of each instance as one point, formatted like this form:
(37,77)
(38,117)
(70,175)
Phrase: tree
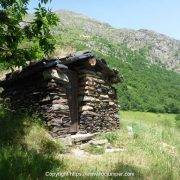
(21,39)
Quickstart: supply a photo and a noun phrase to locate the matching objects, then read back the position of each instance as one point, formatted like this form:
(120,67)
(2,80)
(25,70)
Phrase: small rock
(82,137)
(109,146)
(86,108)
(111,103)
(90,113)
(104,96)
(67,141)
(88,98)
(54,74)
(59,106)
(98,142)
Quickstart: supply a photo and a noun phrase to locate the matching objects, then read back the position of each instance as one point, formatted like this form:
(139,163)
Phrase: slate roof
(63,63)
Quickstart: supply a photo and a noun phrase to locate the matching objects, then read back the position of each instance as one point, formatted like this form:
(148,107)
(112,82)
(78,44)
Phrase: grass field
(150,152)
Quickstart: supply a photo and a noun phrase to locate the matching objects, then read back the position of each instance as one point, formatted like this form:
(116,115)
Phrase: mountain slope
(148,84)
(162,48)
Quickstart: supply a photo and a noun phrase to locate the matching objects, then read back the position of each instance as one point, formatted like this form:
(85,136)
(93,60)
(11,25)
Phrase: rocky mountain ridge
(161,48)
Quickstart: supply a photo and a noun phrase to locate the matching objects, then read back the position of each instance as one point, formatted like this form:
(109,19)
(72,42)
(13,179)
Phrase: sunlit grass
(152,152)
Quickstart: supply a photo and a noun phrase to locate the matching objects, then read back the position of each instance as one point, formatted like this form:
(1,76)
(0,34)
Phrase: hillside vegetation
(147,86)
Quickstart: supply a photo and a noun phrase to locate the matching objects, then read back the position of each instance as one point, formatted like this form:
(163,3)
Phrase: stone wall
(98,107)
(47,94)
(53,93)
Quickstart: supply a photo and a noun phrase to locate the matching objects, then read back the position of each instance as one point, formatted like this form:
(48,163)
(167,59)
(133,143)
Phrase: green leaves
(15,32)
(46,45)
(45,1)
(44,19)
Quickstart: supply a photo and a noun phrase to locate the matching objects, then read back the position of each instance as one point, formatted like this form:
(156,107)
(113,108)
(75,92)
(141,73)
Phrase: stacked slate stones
(72,94)
(55,104)
(44,91)
(98,102)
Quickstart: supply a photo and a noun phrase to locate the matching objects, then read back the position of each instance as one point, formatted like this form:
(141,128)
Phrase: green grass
(95,149)
(27,151)
(152,152)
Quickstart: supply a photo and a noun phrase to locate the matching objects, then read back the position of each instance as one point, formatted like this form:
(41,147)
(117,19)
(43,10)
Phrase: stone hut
(73,94)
